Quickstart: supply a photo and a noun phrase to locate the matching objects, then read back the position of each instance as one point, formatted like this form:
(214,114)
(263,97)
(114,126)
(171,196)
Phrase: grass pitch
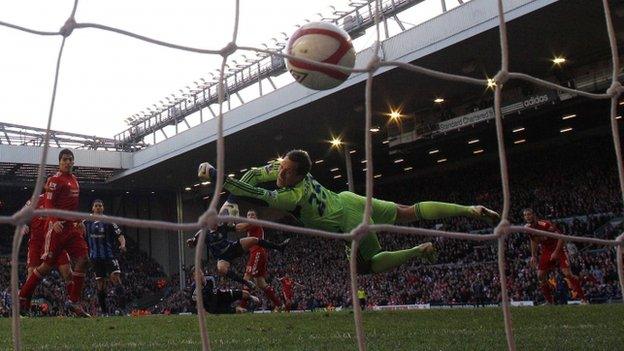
(595,327)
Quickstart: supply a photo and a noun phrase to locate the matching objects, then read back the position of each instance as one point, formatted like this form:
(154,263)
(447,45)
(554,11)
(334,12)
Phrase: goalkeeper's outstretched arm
(282,199)
(285,199)
(262,174)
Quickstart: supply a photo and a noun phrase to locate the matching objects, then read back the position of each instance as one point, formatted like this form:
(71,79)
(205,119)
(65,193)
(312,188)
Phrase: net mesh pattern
(210,217)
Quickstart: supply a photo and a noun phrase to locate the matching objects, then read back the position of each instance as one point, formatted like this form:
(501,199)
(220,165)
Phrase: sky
(106,77)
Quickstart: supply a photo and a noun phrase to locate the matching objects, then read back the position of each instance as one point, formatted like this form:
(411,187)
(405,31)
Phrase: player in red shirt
(62,192)
(256,268)
(36,241)
(287,290)
(552,253)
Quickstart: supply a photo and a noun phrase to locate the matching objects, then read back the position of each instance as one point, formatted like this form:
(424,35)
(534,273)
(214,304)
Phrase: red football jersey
(256,232)
(38,224)
(546,226)
(62,191)
(287,284)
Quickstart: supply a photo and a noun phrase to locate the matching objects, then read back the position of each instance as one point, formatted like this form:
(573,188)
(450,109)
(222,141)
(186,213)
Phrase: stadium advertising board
(531,102)
(424,306)
(488,113)
(465,120)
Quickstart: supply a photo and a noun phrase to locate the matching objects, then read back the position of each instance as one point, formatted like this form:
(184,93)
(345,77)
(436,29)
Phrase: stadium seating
(565,185)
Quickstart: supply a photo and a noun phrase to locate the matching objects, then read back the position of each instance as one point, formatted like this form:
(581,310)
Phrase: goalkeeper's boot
(481,212)
(428,253)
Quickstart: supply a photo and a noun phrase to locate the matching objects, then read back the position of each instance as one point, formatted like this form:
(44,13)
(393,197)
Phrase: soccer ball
(323,42)
(229,209)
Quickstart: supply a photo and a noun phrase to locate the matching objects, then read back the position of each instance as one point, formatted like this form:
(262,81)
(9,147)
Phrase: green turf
(595,327)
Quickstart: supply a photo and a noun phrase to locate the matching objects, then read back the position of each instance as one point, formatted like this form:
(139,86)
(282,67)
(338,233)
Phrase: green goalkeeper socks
(386,260)
(437,210)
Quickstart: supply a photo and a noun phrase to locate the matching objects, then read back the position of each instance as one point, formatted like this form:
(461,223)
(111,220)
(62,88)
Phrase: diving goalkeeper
(317,207)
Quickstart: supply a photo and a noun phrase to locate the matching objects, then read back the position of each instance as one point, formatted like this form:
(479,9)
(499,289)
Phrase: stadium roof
(574,29)
(19,163)
(541,30)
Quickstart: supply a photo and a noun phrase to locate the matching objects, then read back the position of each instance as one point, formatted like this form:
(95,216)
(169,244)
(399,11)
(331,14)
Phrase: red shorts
(257,263)
(70,239)
(35,251)
(545,264)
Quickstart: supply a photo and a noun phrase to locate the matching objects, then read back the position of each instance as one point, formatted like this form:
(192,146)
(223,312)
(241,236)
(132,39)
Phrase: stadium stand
(562,184)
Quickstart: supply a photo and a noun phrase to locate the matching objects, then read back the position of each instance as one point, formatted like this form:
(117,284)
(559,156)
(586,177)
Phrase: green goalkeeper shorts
(383,212)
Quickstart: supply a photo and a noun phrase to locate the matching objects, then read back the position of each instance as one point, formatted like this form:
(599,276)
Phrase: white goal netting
(210,217)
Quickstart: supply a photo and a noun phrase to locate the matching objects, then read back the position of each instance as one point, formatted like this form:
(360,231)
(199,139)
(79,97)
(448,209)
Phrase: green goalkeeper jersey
(314,205)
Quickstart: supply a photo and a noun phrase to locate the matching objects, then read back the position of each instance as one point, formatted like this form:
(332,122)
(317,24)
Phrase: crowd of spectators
(565,184)
(141,277)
